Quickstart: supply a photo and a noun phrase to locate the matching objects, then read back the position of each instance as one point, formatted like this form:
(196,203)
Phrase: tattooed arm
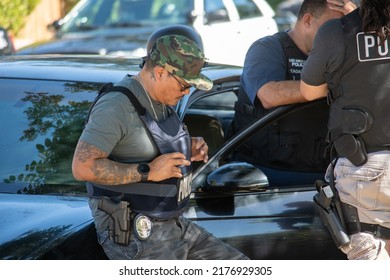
(91,164)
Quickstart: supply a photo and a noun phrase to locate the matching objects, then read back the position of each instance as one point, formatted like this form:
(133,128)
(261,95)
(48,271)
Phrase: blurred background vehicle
(289,6)
(122,27)
(6,43)
(287,12)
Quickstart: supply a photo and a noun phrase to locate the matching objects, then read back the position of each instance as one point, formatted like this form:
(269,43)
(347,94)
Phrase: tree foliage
(68,5)
(13,13)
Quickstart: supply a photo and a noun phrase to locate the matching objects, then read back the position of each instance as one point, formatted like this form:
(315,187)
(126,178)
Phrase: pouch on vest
(355,121)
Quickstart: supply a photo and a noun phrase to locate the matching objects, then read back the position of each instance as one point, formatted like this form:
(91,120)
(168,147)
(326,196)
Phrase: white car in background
(122,27)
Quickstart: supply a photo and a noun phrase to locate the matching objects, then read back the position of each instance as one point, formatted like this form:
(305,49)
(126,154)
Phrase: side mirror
(191,17)
(236,176)
(54,26)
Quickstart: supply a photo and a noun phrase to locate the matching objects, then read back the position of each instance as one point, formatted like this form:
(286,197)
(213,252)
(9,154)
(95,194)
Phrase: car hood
(104,41)
(31,224)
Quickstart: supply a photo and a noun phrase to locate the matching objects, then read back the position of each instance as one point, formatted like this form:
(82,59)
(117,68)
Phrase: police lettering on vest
(370,48)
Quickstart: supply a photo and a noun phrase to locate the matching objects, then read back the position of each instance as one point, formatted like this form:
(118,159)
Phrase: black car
(44,212)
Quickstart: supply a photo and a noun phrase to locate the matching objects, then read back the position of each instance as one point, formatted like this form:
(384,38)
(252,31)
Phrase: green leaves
(13,13)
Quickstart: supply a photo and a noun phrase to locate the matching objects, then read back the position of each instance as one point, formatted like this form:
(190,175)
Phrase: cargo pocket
(363,186)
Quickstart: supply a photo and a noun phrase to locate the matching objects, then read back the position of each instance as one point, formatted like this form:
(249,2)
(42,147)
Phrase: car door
(262,220)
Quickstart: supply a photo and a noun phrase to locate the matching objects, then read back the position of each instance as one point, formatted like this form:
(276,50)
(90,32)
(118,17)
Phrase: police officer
(270,78)
(350,63)
(134,151)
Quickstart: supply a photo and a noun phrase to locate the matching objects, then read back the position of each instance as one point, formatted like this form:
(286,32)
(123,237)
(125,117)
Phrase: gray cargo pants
(367,188)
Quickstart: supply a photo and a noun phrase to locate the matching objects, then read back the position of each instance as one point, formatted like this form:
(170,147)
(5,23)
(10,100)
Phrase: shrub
(14,12)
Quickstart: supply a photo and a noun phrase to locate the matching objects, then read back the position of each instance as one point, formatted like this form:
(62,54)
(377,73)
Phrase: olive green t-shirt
(115,127)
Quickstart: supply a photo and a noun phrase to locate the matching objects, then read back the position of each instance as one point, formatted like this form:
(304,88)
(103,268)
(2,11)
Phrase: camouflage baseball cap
(182,57)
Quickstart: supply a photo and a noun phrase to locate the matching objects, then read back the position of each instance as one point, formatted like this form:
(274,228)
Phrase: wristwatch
(143,169)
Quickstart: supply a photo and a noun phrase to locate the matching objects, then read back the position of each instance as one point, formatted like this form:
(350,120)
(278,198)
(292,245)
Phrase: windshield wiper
(125,24)
(87,27)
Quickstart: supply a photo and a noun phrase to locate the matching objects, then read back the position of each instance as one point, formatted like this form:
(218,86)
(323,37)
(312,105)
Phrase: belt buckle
(143,226)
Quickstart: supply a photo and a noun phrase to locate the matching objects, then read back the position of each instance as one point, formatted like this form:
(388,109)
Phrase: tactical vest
(360,94)
(165,199)
(295,143)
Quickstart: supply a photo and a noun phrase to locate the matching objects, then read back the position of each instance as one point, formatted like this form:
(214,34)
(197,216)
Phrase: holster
(119,226)
(325,202)
(352,148)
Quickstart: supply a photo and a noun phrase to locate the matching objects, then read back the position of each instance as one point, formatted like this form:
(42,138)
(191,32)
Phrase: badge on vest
(369,47)
(184,188)
(143,226)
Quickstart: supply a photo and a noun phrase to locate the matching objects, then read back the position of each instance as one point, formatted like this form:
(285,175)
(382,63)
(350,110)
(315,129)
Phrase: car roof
(87,68)
(68,67)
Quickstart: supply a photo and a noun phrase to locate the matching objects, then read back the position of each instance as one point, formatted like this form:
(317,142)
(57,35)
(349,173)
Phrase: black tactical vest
(360,92)
(165,199)
(295,143)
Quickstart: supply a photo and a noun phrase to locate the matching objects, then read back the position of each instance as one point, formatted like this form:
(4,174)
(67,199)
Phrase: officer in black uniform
(350,64)
(137,157)
(292,150)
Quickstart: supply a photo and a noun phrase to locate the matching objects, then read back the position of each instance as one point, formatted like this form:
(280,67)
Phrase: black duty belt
(377,230)
(350,214)
(378,149)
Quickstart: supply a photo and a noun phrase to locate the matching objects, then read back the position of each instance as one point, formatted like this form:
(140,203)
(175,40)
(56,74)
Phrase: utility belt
(353,224)
(123,221)
(354,135)
(355,150)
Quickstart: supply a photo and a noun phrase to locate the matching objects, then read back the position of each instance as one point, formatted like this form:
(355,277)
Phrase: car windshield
(93,14)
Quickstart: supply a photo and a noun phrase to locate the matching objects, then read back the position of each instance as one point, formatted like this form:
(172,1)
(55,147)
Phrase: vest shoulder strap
(140,109)
(291,52)
(109,87)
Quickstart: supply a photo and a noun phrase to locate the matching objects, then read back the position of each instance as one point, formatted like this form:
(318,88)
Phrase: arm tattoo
(106,171)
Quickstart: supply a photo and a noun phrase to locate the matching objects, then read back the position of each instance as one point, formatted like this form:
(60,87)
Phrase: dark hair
(149,63)
(376,17)
(315,7)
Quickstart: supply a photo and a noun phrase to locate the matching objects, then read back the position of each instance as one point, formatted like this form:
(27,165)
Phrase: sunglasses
(183,86)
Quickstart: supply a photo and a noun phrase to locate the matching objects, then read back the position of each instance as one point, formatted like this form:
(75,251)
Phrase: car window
(215,11)
(247,9)
(210,117)
(41,127)
(94,14)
